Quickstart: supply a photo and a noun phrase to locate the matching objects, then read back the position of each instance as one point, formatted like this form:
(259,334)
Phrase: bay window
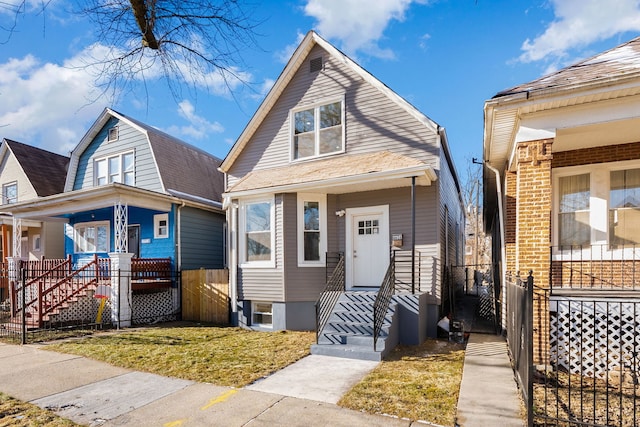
(318,131)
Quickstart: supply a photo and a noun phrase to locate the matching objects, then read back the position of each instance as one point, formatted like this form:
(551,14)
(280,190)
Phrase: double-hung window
(312,229)
(624,207)
(257,242)
(318,130)
(91,237)
(118,168)
(9,193)
(574,227)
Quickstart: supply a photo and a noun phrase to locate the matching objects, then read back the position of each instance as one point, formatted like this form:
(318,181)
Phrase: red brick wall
(590,156)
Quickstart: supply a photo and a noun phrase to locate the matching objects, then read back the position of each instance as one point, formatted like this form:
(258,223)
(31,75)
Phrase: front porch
(51,293)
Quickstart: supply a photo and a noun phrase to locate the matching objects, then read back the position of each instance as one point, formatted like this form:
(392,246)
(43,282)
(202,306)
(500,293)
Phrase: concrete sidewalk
(489,394)
(97,394)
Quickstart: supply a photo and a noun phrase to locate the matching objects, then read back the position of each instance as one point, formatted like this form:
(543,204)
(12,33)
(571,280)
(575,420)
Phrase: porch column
(533,230)
(17,237)
(121,289)
(120,223)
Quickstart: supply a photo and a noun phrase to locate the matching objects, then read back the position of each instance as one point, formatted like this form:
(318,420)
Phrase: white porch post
(121,289)
(17,237)
(120,223)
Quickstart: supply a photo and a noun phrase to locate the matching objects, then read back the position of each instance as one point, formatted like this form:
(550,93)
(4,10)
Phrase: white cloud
(359,24)
(45,104)
(198,128)
(285,54)
(578,23)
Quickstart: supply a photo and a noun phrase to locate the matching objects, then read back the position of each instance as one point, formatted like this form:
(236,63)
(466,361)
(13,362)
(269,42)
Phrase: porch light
(340,213)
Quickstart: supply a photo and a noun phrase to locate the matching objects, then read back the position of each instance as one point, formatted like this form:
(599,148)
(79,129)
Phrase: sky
(445,57)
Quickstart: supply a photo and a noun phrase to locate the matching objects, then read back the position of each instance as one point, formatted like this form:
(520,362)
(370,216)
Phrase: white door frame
(350,234)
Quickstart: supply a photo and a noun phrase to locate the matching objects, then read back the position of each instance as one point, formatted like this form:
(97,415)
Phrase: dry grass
(231,357)
(20,414)
(417,382)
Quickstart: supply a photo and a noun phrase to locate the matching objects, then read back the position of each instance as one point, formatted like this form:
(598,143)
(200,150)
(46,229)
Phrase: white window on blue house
(161,226)
(312,229)
(257,241)
(118,168)
(91,237)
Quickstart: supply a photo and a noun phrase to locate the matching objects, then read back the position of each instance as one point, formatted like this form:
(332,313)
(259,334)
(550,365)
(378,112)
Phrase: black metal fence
(577,358)
(46,308)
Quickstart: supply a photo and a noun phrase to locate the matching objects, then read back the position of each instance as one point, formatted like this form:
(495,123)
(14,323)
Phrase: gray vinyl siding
(129,138)
(373,122)
(265,284)
(201,239)
(450,199)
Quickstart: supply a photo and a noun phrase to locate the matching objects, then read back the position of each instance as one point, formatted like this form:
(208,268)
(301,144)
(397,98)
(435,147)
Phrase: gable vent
(315,64)
(113,134)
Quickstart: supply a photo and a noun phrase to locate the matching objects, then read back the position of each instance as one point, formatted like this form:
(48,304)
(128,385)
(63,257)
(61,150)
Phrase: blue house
(131,188)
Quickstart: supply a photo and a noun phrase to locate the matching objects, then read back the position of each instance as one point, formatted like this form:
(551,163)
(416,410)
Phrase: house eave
(396,178)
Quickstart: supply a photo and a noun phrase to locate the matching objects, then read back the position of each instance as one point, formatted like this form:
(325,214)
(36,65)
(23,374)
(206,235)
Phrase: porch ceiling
(58,206)
(338,175)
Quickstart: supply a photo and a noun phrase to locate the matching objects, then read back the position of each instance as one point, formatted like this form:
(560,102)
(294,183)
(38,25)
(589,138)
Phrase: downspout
(179,237)
(232,218)
(413,235)
(503,252)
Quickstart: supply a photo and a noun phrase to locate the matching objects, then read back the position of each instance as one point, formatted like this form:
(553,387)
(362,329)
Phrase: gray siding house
(336,167)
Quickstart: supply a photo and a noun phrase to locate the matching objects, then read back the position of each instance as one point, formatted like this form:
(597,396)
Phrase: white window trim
(91,224)
(107,158)
(5,199)
(598,212)
(242,235)
(111,131)
(156,226)
(322,206)
(292,125)
(37,243)
(254,311)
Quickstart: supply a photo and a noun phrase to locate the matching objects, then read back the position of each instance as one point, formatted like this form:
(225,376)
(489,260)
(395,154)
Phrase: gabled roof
(184,170)
(45,170)
(297,59)
(614,64)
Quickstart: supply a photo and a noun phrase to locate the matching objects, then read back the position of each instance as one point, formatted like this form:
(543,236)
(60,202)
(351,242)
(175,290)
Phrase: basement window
(262,314)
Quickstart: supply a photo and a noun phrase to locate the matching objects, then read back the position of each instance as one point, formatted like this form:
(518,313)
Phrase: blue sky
(446,57)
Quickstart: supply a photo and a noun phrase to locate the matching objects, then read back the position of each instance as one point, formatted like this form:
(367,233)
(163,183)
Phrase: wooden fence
(205,296)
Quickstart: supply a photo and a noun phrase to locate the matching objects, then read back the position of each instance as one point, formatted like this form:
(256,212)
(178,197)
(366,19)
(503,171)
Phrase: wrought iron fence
(44,302)
(577,358)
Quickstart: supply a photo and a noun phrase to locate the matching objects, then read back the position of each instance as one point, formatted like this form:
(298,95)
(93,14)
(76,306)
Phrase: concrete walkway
(489,394)
(97,394)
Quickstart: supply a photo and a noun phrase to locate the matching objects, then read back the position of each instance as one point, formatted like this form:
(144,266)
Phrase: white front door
(367,246)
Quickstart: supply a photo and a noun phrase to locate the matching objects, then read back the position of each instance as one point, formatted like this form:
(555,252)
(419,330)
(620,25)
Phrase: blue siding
(149,247)
(130,138)
(201,239)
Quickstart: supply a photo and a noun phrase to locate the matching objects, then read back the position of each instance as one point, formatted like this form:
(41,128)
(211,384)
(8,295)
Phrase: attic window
(315,64)
(113,134)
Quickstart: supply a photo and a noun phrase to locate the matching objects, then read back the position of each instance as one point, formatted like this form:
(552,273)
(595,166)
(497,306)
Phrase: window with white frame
(574,227)
(36,242)
(318,130)
(597,205)
(118,168)
(161,226)
(9,193)
(91,237)
(262,314)
(257,240)
(624,207)
(312,229)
